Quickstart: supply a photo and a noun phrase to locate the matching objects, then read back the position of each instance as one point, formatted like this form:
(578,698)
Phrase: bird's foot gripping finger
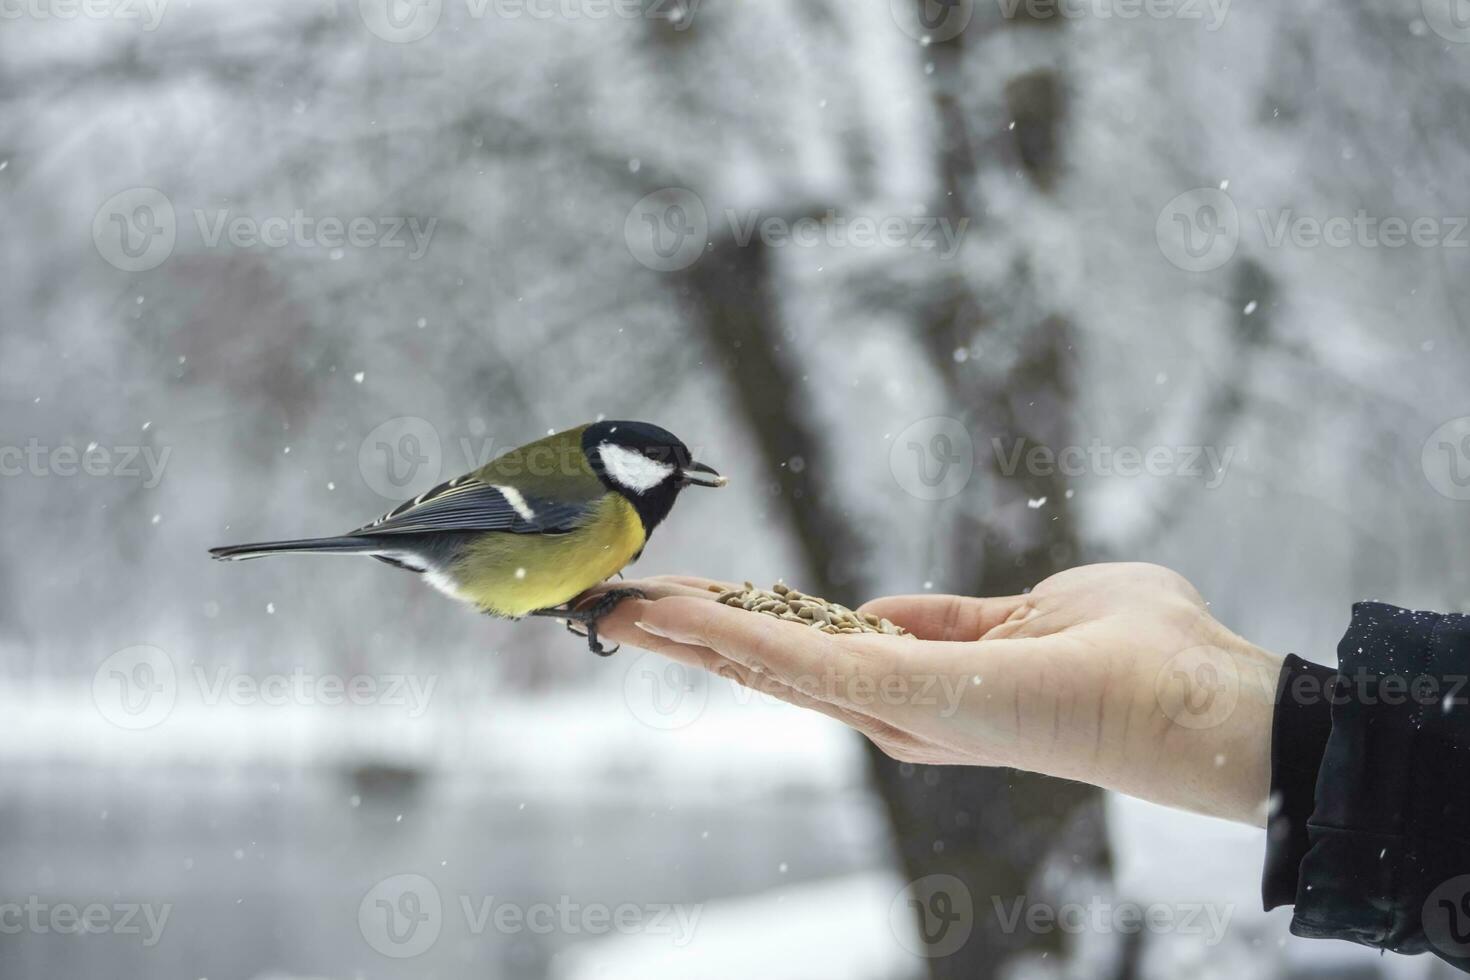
(601,607)
(588,617)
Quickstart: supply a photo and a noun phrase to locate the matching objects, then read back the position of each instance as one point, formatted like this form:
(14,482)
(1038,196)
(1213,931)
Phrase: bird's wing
(468,503)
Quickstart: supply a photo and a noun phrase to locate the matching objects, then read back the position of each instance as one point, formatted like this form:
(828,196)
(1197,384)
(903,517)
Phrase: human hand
(1115,675)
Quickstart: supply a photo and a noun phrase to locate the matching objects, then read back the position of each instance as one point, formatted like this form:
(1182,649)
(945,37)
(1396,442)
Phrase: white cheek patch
(631,470)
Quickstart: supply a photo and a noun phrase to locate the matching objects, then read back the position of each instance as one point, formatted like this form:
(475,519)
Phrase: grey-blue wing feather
(467,504)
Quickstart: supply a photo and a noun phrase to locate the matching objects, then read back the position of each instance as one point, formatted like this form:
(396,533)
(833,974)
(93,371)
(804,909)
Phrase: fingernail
(577,628)
(651,629)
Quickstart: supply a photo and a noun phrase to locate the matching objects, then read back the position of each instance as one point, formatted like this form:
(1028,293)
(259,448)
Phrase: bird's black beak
(699,475)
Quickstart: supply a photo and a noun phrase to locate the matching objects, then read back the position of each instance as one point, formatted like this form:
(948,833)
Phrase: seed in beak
(700,475)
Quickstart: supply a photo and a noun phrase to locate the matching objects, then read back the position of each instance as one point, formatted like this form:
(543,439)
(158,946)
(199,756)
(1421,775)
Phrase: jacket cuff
(1299,731)
(1390,830)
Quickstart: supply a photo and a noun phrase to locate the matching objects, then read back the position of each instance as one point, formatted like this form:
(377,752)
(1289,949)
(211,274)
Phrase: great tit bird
(534,528)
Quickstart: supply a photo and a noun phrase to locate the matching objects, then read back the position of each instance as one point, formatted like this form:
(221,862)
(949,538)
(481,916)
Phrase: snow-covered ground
(837,928)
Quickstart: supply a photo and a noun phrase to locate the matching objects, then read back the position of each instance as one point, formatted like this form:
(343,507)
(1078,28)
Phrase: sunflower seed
(783,602)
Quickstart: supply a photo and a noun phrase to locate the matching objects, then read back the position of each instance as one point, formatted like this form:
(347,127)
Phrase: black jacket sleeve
(1370,775)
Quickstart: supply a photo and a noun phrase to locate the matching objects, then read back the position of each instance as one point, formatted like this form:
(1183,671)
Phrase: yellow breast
(515,574)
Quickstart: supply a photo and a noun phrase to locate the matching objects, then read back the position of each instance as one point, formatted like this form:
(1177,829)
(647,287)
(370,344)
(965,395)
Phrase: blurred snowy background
(270,267)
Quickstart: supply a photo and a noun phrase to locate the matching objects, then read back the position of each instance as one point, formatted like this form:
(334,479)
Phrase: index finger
(660,587)
(800,656)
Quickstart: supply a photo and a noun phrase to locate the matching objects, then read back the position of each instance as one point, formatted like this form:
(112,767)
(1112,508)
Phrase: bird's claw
(593,644)
(589,617)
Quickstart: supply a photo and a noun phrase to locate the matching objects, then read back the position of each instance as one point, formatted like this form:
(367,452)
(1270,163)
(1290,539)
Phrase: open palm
(1116,675)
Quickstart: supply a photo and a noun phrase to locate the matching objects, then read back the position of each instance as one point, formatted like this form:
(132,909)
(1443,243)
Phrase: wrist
(1237,751)
(1210,712)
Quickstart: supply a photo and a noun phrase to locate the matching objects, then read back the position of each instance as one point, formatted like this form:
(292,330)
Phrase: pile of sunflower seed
(784,602)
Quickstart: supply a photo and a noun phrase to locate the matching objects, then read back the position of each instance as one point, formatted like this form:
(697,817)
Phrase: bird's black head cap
(647,464)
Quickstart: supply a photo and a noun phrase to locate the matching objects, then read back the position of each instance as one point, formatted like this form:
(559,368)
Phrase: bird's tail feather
(348,545)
